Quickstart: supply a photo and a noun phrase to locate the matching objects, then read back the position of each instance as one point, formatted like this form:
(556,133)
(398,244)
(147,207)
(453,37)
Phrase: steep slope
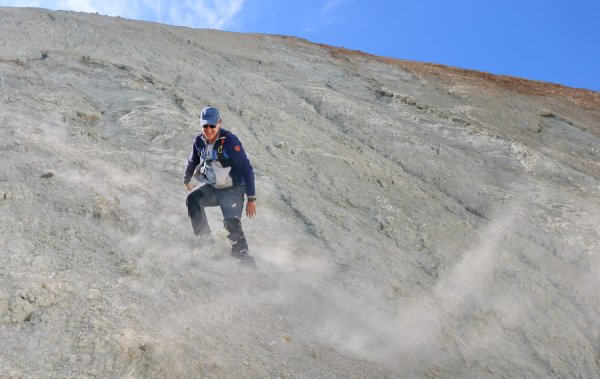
(414,220)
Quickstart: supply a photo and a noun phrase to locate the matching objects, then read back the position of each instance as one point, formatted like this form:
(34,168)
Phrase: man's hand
(251,209)
(189,186)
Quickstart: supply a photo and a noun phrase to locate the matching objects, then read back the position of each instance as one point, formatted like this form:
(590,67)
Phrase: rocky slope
(414,220)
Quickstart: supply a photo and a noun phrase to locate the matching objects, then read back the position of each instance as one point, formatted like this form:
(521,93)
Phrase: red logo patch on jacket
(237,148)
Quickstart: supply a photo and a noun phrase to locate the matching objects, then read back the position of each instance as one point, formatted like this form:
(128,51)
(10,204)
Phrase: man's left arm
(241,163)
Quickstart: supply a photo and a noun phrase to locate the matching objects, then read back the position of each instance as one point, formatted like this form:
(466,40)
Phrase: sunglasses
(209,126)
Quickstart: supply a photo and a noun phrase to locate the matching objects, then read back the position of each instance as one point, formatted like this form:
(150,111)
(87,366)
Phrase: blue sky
(552,40)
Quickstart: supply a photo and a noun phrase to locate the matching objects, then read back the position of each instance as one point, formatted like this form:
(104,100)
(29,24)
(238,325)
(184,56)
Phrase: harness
(218,154)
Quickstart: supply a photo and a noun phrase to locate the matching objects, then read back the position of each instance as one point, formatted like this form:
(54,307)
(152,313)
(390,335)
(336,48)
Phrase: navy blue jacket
(233,151)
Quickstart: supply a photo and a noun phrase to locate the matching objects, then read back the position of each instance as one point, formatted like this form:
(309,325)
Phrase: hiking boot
(239,247)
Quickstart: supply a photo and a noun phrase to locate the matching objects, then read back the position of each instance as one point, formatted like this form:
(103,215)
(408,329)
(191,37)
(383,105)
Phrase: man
(219,162)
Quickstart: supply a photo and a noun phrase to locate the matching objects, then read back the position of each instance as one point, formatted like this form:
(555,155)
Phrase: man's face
(211,133)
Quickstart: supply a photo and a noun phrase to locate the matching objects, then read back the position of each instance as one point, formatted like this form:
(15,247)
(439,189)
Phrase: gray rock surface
(414,220)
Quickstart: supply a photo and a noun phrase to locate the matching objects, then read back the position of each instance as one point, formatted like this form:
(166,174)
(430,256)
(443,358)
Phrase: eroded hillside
(413,220)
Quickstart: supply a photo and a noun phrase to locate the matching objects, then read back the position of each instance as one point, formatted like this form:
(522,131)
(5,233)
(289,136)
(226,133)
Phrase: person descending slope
(219,162)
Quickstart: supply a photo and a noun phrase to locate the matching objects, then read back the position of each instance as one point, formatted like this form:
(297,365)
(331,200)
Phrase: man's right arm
(192,162)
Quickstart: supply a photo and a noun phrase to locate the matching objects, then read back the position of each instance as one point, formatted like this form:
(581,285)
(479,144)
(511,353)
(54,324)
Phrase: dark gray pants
(231,201)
